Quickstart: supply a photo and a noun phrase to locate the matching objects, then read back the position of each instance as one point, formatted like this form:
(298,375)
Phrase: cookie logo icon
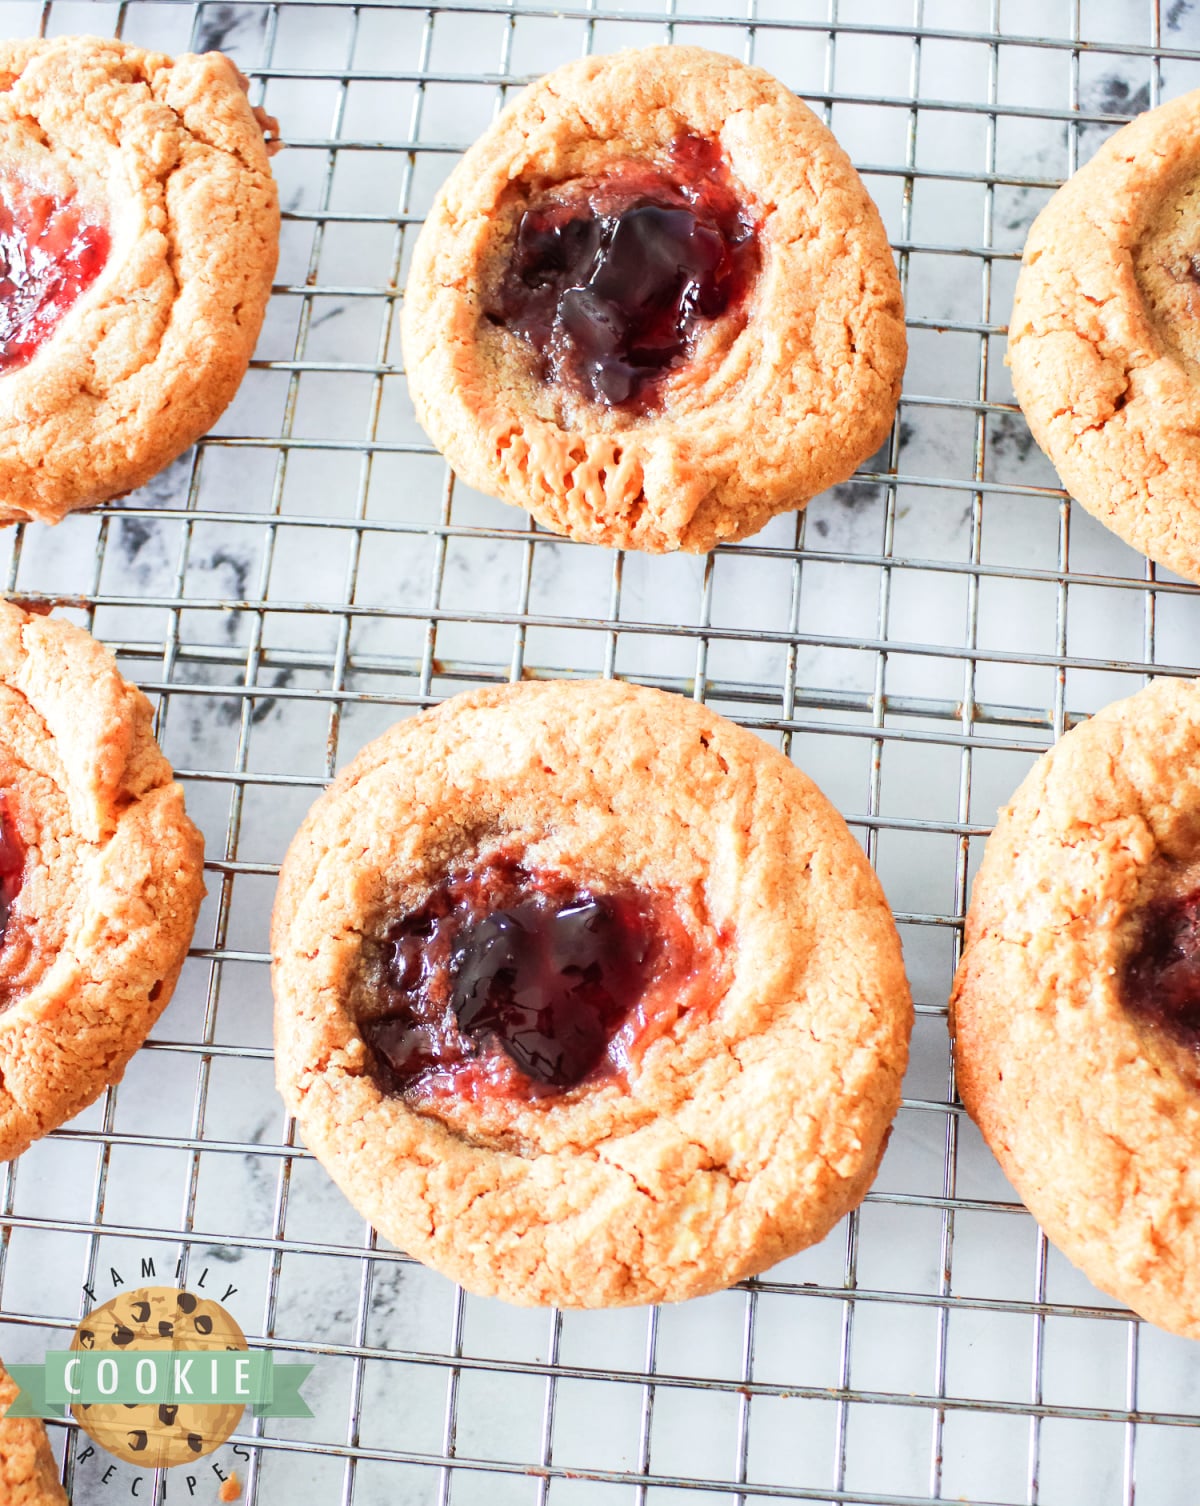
(161,1321)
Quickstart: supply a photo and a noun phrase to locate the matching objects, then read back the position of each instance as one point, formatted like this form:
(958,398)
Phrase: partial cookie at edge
(148,357)
(113,877)
(1111,402)
(1093,1126)
(28,1472)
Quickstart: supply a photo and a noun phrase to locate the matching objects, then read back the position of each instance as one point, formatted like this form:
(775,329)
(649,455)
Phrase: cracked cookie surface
(776,400)
(28,1473)
(738,1134)
(109,879)
(1103,341)
(169,158)
(1068,1057)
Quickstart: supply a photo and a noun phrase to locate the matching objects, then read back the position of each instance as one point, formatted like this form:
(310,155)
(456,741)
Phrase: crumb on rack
(231,1489)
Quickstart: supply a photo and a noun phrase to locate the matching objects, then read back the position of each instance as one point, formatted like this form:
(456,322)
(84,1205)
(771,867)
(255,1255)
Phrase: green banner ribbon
(31,1399)
(152,1376)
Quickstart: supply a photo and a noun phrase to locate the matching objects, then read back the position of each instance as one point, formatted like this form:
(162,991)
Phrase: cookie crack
(189,142)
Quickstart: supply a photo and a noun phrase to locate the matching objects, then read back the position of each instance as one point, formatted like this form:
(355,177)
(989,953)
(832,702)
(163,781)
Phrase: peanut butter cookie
(1103,341)
(1076,1008)
(100,874)
(139,228)
(28,1473)
(654,304)
(586,996)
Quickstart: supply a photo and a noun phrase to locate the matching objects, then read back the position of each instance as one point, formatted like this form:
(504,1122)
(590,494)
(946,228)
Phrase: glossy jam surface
(12,866)
(50,253)
(1161,981)
(519,983)
(612,279)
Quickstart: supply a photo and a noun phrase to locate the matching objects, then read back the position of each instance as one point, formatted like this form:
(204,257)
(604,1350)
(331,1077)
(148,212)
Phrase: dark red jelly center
(1162,976)
(12,867)
(50,253)
(611,280)
(503,959)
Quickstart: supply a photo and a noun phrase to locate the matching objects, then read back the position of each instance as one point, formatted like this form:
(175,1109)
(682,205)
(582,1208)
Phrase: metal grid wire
(915,640)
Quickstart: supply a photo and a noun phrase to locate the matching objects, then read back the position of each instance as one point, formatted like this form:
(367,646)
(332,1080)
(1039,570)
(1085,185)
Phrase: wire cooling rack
(312,572)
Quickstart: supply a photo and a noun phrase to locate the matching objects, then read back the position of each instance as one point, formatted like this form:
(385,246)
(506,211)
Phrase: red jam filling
(611,280)
(12,867)
(1161,980)
(519,984)
(50,253)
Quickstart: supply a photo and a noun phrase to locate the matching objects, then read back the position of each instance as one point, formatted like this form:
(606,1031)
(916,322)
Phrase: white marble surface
(248,591)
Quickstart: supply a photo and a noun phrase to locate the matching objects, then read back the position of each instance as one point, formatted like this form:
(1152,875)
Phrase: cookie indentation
(503,968)
(51,251)
(612,280)
(1161,980)
(12,867)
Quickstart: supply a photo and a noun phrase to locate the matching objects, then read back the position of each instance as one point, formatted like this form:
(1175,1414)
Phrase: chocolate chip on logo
(167,1415)
(204,1324)
(187,1303)
(195,1442)
(137,1440)
(141,1312)
(122,1335)
(166,1329)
